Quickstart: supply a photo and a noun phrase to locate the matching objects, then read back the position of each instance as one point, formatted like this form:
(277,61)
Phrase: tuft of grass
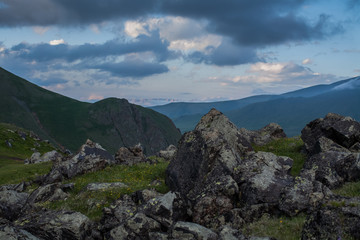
(289,147)
(91,203)
(349,189)
(281,228)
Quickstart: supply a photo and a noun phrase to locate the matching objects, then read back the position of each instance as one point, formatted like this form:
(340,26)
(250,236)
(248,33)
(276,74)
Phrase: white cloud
(57,42)
(307,61)
(94,96)
(135,28)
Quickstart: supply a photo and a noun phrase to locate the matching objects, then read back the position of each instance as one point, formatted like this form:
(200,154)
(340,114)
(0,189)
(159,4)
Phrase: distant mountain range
(292,110)
(68,123)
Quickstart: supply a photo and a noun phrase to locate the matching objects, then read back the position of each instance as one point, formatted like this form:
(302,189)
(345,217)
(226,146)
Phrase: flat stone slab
(104,186)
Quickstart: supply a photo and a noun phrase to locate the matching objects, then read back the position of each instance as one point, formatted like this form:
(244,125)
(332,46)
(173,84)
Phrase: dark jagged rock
(49,192)
(264,135)
(130,156)
(20,187)
(338,219)
(12,203)
(91,157)
(59,225)
(343,131)
(215,169)
(9,232)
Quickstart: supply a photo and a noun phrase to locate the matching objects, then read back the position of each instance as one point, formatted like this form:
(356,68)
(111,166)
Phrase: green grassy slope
(68,122)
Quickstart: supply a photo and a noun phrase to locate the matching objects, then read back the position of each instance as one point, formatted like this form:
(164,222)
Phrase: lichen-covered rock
(305,194)
(343,131)
(335,168)
(131,155)
(264,135)
(59,225)
(188,230)
(262,177)
(338,219)
(12,203)
(91,157)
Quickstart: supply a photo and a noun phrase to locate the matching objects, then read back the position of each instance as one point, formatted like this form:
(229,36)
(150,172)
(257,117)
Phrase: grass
(281,228)
(290,147)
(349,189)
(12,168)
(91,203)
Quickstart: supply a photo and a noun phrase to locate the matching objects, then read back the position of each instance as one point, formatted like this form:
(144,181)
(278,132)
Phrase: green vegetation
(12,168)
(349,189)
(278,227)
(91,203)
(290,147)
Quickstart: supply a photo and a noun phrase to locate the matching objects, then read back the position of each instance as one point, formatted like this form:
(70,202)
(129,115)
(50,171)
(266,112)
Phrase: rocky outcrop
(46,157)
(130,156)
(59,225)
(332,146)
(263,136)
(48,192)
(337,219)
(91,157)
(9,232)
(216,169)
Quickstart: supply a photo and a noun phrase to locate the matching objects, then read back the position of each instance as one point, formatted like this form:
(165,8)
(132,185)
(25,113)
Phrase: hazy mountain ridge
(291,110)
(68,122)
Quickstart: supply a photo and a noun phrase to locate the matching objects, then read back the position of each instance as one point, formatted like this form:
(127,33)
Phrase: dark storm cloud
(255,22)
(227,54)
(135,68)
(47,52)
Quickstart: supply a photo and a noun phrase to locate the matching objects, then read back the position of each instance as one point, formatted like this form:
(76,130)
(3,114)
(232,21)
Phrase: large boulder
(130,155)
(91,157)
(59,225)
(12,203)
(36,157)
(343,131)
(260,137)
(337,219)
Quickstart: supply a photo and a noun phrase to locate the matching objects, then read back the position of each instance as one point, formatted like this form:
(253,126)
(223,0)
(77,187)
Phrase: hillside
(68,123)
(291,110)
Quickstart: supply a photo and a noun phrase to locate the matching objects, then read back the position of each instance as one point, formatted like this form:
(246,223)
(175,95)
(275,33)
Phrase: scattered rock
(91,157)
(130,156)
(8,143)
(46,157)
(9,232)
(264,135)
(104,186)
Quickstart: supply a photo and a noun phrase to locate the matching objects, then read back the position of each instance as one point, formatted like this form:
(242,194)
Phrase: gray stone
(228,233)
(169,153)
(12,203)
(46,157)
(130,156)
(49,192)
(59,225)
(264,135)
(10,232)
(104,186)
(188,230)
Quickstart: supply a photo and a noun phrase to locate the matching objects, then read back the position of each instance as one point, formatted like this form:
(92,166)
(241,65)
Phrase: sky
(154,52)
